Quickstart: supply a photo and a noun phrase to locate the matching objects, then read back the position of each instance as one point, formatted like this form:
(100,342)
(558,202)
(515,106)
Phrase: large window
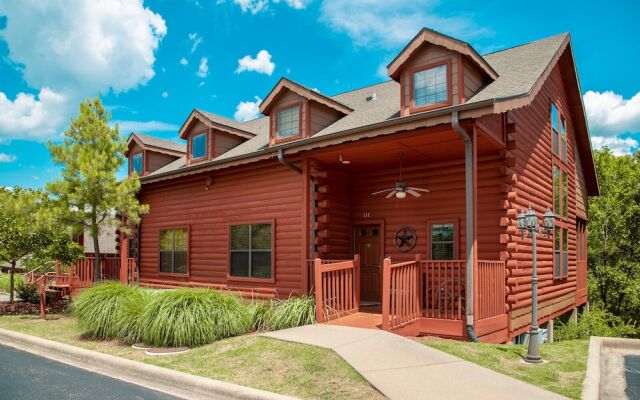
(174,251)
(136,163)
(250,251)
(561,253)
(199,146)
(430,86)
(563,138)
(554,129)
(558,133)
(560,192)
(442,241)
(289,122)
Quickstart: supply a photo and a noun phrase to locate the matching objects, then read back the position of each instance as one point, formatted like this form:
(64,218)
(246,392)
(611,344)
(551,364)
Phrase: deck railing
(491,296)
(444,283)
(401,289)
(311,270)
(337,288)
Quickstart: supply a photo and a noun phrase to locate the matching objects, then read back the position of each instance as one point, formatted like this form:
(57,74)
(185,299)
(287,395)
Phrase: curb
(174,383)
(591,385)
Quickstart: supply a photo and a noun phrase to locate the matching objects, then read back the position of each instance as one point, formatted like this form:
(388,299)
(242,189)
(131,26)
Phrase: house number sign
(405,238)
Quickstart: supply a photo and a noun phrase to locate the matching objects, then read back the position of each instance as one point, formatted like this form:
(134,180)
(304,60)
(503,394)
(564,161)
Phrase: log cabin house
(398,198)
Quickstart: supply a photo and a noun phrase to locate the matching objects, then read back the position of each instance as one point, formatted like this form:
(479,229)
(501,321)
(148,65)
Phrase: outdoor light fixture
(528,224)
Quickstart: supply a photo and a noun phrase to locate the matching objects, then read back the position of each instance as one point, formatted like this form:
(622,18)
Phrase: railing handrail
(336,287)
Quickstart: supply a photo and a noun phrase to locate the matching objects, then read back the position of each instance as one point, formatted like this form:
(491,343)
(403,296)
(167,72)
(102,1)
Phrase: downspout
(469,212)
(287,163)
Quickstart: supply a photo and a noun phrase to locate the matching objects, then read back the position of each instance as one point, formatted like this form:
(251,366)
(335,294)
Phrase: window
(561,253)
(430,86)
(554,128)
(442,241)
(560,192)
(250,251)
(563,136)
(174,250)
(131,247)
(565,195)
(199,146)
(556,190)
(289,122)
(136,163)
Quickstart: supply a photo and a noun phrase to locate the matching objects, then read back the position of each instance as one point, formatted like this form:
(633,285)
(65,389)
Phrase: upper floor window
(442,241)
(430,86)
(563,138)
(136,163)
(558,133)
(199,146)
(288,122)
(561,253)
(554,128)
(251,251)
(560,192)
(174,251)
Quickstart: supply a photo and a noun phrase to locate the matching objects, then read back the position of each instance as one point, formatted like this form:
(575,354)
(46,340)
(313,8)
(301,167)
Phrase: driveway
(29,377)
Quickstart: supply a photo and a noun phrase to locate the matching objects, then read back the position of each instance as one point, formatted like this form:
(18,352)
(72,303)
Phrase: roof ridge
(525,44)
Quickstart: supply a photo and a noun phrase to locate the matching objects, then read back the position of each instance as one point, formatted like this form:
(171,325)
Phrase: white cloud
(248,110)
(36,117)
(255,6)
(183,61)
(145,126)
(201,84)
(297,4)
(195,41)
(7,158)
(618,146)
(390,24)
(261,64)
(165,95)
(203,68)
(611,114)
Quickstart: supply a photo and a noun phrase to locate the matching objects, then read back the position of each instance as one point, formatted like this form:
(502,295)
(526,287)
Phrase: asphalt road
(632,372)
(30,377)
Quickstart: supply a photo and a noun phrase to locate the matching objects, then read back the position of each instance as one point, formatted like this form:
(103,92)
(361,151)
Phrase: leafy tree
(89,193)
(614,234)
(22,230)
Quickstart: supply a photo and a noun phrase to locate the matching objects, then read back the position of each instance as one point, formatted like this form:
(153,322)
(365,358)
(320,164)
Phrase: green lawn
(287,368)
(563,374)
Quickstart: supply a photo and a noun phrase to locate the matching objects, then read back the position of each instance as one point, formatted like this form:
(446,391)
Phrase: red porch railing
(337,288)
(311,270)
(401,289)
(444,288)
(491,293)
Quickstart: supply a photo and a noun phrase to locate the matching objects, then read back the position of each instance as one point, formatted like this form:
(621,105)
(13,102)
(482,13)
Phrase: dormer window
(430,86)
(289,122)
(199,146)
(136,163)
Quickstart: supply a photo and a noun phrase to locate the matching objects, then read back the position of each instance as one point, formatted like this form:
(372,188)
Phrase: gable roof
(287,84)
(427,35)
(521,71)
(156,144)
(217,122)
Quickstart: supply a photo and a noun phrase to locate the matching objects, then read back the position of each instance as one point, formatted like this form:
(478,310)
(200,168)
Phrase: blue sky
(152,62)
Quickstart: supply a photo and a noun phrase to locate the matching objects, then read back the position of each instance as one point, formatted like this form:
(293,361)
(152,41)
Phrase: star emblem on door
(405,238)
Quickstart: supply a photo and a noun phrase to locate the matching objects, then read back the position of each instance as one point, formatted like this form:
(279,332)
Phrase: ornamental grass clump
(295,311)
(259,313)
(192,317)
(128,322)
(99,309)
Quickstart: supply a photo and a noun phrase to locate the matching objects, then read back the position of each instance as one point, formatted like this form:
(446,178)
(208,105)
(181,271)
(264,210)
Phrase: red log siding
(267,191)
(534,186)
(337,245)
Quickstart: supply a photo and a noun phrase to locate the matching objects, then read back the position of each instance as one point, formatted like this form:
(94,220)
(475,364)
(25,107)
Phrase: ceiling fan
(401,189)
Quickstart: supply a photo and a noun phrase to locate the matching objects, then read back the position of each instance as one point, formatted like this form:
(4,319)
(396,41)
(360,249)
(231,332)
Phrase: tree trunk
(12,281)
(96,261)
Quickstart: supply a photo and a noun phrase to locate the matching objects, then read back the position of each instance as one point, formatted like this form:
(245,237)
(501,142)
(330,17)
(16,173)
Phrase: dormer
(147,154)
(435,71)
(296,112)
(209,135)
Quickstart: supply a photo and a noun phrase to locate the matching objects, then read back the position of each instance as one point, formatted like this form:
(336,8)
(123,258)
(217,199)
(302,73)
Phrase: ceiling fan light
(401,194)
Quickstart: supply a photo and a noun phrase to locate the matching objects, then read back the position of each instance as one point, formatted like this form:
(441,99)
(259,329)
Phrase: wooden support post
(550,331)
(124,247)
(57,267)
(418,288)
(43,303)
(356,271)
(317,285)
(574,315)
(386,292)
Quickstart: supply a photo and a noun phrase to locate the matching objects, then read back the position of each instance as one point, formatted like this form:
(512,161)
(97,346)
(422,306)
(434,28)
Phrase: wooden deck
(369,317)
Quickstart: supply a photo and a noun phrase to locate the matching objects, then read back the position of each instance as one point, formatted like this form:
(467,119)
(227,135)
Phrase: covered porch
(400,262)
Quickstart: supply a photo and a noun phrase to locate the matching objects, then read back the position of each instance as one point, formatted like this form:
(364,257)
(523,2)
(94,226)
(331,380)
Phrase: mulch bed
(54,306)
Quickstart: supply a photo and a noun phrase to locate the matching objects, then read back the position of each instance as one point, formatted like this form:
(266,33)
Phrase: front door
(367,245)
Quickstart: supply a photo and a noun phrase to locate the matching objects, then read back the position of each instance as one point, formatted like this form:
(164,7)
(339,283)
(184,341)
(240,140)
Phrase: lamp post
(528,223)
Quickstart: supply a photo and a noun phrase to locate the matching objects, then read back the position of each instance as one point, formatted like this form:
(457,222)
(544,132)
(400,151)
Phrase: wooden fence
(401,289)
(491,293)
(337,288)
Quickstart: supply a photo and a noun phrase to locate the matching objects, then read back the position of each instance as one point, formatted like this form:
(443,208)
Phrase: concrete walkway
(401,368)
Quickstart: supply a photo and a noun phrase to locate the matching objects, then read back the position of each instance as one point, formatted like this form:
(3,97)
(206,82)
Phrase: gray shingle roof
(162,143)
(519,69)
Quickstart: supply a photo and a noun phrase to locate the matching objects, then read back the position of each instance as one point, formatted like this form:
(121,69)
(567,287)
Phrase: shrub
(295,311)
(99,309)
(192,317)
(5,282)
(596,322)
(128,324)
(29,293)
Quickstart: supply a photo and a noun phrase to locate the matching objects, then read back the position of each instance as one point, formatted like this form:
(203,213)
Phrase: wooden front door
(367,244)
